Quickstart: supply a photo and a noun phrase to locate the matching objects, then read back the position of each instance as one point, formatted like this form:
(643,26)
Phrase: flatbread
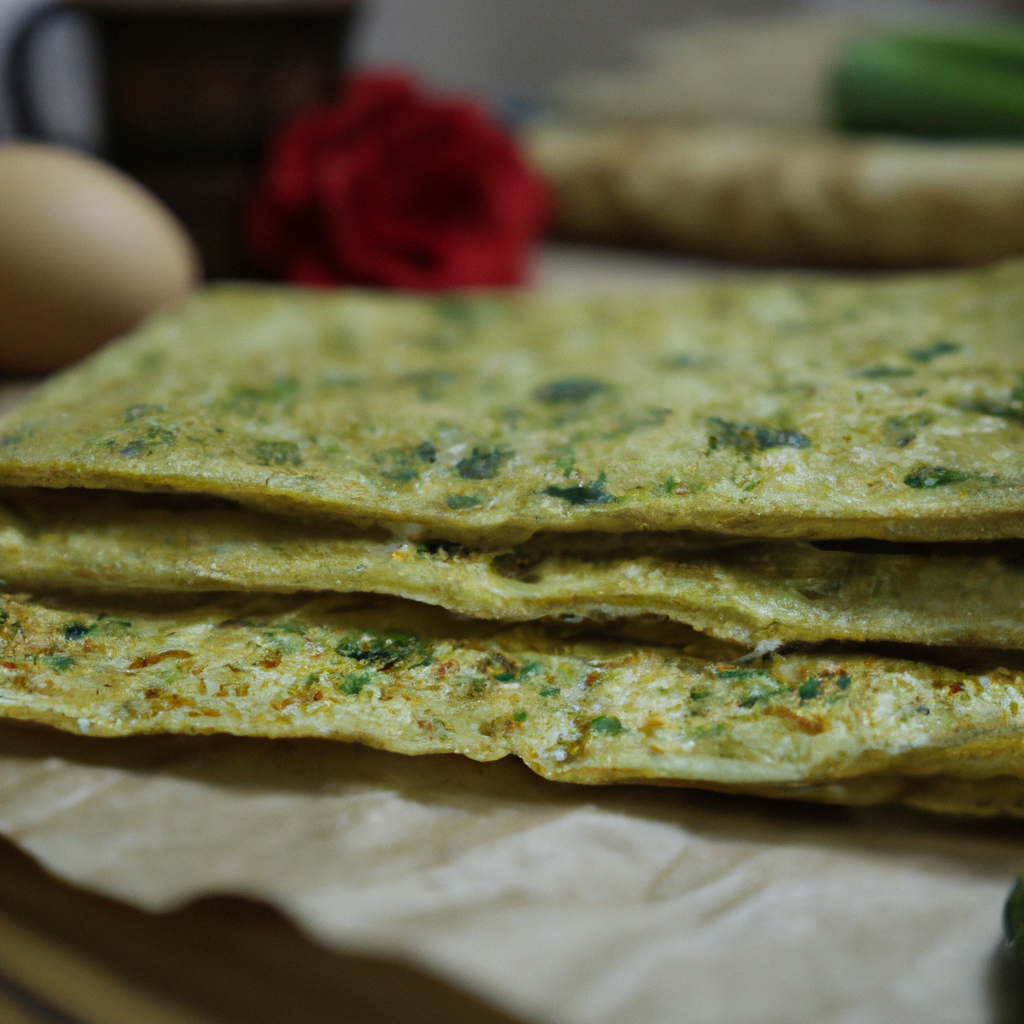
(749,592)
(786,408)
(411,679)
(774,196)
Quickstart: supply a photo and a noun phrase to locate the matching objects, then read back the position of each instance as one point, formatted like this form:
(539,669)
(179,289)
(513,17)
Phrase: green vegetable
(458,501)
(965,82)
(1013,918)
(607,724)
(482,463)
(935,476)
(809,690)
(749,437)
(582,494)
(572,389)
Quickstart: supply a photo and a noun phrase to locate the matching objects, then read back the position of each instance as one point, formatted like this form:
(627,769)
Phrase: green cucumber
(1013,919)
(967,84)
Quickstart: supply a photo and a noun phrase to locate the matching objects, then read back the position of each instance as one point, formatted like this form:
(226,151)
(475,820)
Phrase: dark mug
(192,91)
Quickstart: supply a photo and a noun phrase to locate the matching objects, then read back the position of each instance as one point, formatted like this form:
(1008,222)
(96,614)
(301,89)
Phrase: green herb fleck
(708,731)
(572,389)
(519,716)
(551,691)
(843,681)
(753,437)
(743,675)
(103,626)
(699,694)
(681,361)
(901,430)
(936,476)
(398,464)
(882,372)
(144,445)
(930,352)
(459,501)
(988,407)
(353,684)
(810,689)
(59,662)
(277,453)
(482,463)
(427,452)
(609,725)
(504,677)
(382,650)
(582,494)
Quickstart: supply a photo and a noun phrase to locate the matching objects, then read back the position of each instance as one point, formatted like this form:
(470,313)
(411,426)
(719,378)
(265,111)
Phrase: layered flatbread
(750,592)
(579,708)
(786,408)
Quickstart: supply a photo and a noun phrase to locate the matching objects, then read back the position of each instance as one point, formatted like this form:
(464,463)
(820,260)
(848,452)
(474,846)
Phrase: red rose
(390,188)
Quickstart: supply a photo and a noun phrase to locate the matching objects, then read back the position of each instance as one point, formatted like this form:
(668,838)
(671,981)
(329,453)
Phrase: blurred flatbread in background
(778,197)
(719,144)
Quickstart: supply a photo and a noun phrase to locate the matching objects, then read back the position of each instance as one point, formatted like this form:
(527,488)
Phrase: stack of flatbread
(759,536)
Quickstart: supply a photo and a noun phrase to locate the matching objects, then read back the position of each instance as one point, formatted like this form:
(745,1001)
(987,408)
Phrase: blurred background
(866,134)
(499,51)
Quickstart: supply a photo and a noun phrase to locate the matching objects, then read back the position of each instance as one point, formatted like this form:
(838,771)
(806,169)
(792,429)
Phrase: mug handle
(25,117)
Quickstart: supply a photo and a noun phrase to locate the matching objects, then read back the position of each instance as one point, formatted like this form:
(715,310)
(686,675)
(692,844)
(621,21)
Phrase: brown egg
(85,253)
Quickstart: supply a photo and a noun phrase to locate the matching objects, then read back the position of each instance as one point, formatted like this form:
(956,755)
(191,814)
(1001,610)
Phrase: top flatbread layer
(784,407)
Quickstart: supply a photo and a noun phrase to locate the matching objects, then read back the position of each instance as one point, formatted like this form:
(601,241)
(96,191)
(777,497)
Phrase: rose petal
(390,188)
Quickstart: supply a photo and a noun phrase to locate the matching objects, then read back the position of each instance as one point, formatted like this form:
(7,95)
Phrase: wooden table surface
(72,957)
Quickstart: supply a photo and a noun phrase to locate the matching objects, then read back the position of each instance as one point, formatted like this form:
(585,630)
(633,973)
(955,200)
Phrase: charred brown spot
(812,725)
(154,659)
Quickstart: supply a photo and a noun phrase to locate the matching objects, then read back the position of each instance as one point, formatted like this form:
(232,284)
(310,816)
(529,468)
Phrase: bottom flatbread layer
(413,679)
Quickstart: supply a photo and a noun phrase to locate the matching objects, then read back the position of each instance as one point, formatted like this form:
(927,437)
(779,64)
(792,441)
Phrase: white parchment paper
(559,903)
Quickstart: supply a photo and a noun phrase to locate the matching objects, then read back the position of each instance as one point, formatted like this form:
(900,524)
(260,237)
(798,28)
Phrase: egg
(85,253)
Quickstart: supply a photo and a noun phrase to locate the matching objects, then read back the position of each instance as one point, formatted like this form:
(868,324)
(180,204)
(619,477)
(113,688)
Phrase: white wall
(500,47)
